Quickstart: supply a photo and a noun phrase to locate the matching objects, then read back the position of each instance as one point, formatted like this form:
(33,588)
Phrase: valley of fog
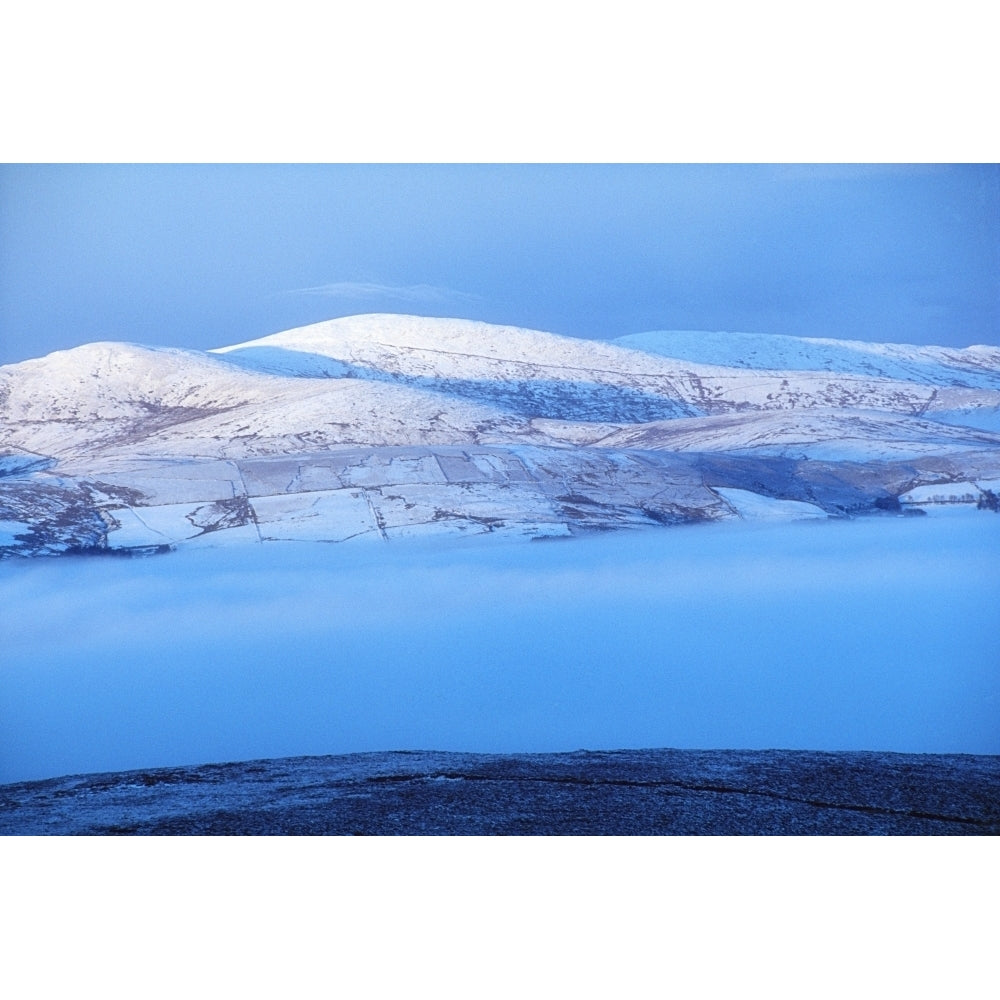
(876,634)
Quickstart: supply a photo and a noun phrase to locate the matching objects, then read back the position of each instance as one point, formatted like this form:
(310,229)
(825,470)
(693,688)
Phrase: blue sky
(202,256)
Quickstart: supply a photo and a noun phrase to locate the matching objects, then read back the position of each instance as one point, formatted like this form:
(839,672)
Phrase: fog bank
(878,634)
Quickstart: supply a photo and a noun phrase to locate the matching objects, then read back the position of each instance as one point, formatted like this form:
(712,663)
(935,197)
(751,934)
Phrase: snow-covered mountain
(567,378)
(972,367)
(384,426)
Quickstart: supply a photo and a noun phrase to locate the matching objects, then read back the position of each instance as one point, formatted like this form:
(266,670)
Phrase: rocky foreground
(623,793)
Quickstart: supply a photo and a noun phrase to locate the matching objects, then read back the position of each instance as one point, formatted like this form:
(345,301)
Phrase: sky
(200,255)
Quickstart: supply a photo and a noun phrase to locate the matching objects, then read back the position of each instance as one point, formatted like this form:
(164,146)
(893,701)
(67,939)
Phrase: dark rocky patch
(623,793)
(60,514)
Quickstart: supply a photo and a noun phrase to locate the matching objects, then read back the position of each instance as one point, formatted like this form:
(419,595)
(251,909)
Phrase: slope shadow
(554,399)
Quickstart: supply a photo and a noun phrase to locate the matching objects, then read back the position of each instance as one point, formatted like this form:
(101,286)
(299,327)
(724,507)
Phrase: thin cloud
(374,290)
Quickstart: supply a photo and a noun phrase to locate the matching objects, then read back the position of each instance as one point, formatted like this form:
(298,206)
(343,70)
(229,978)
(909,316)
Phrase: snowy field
(877,634)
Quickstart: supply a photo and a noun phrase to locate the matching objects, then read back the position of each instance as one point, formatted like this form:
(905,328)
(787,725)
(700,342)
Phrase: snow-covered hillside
(973,367)
(125,399)
(545,375)
(831,434)
(383,426)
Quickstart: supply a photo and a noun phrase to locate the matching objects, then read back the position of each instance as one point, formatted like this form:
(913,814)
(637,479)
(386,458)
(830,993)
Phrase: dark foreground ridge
(623,793)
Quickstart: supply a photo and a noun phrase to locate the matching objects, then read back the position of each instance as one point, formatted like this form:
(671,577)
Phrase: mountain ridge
(390,426)
(976,366)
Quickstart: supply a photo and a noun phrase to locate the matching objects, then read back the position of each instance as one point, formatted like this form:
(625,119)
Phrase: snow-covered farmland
(754,507)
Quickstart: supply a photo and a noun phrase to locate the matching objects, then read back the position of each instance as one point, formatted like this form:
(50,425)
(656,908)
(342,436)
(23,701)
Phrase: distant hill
(381,427)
